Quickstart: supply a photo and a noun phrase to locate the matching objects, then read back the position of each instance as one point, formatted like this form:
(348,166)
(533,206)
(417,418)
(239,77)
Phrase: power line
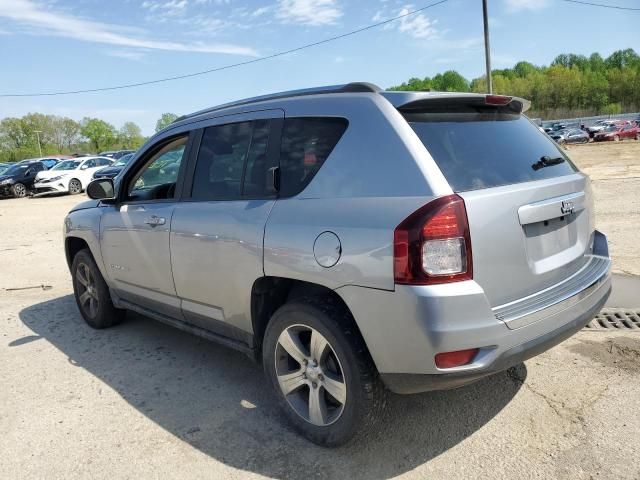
(227,67)
(602,5)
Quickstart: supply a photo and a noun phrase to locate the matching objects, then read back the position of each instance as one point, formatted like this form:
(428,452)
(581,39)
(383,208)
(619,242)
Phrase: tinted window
(306,144)
(227,154)
(483,150)
(158,177)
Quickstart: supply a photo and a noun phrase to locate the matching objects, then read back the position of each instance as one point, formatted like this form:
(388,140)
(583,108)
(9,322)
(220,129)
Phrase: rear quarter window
(306,143)
(488,149)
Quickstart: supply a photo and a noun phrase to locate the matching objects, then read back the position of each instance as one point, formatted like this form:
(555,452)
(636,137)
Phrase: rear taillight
(433,244)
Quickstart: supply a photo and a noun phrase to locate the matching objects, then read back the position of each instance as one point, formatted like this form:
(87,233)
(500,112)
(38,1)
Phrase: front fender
(84,224)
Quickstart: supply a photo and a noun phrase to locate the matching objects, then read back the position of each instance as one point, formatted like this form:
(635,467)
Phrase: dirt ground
(145,401)
(614,169)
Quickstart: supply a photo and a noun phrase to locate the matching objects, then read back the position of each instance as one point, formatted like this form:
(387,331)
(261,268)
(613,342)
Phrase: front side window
(306,143)
(232,161)
(157,179)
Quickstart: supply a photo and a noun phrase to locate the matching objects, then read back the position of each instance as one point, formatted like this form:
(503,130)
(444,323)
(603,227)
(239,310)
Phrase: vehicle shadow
(216,400)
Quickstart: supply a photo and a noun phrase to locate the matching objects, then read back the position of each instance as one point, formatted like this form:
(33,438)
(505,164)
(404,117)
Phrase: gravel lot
(145,401)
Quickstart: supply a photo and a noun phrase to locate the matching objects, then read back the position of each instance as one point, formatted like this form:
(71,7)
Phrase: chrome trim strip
(559,297)
(550,208)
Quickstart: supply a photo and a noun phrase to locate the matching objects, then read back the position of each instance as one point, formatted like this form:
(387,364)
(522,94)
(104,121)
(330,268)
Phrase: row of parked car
(601,131)
(59,174)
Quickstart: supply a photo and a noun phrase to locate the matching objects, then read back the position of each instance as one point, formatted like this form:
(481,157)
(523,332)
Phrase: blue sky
(51,45)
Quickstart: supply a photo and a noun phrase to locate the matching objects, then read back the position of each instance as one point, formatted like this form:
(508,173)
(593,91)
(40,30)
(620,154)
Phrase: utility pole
(487,48)
(38,132)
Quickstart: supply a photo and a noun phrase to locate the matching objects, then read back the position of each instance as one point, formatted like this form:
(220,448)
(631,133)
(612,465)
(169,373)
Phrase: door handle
(154,221)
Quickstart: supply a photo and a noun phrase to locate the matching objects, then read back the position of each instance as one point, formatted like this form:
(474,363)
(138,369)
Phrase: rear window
(306,144)
(477,150)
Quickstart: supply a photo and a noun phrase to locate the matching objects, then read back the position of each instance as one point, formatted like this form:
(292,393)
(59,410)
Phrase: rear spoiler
(449,102)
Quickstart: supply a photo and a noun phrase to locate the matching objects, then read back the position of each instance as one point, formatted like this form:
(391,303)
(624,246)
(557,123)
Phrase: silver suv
(353,240)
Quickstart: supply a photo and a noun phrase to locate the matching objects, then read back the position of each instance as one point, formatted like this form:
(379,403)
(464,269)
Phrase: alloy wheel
(74,187)
(310,375)
(19,190)
(87,291)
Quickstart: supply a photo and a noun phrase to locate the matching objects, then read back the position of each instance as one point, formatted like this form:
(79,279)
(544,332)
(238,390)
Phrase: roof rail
(353,87)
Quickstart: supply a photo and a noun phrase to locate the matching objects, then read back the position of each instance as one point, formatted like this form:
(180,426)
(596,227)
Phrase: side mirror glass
(101,189)
(84,167)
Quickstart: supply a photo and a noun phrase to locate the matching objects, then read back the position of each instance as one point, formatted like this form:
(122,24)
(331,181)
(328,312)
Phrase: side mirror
(28,173)
(101,189)
(84,167)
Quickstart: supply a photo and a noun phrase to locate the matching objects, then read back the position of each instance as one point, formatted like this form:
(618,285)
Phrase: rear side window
(306,144)
(228,155)
(481,150)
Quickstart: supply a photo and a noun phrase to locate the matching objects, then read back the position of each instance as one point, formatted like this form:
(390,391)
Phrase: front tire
(75,187)
(322,373)
(92,294)
(19,190)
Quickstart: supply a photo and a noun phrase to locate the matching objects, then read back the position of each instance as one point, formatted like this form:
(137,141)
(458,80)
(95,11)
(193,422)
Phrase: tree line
(31,134)
(572,86)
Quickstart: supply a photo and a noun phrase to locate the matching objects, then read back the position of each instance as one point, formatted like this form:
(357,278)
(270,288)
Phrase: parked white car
(70,176)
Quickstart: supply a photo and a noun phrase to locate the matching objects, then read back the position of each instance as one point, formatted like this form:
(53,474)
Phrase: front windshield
(67,165)
(611,128)
(123,160)
(15,169)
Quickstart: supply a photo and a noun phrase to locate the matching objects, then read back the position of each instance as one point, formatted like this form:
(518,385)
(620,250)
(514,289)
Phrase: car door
(217,231)
(135,231)
(30,174)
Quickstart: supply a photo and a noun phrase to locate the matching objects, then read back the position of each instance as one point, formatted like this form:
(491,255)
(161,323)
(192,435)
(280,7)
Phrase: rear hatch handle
(551,208)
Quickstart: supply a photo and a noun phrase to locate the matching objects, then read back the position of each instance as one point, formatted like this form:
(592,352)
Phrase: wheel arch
(72,245)
(270,293)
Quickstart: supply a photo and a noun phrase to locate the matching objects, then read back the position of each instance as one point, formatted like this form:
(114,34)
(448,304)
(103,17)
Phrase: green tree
(130,135)
(70,131)
(165,120)
(13,132)
(573,85)
(100,134)
(450,81)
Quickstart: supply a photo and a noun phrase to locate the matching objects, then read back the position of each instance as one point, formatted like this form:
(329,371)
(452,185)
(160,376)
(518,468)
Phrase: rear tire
(334,395)
(19,190)
(92,293)
(75,187)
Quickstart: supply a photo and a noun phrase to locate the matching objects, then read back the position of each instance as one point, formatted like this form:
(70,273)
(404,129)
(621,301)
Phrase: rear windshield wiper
(547,161)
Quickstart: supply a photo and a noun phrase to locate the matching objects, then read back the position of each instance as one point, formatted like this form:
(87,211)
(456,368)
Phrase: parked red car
(618,132)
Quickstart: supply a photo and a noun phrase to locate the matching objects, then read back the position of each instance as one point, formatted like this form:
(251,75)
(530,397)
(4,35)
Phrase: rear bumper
(405,329)
(412,383)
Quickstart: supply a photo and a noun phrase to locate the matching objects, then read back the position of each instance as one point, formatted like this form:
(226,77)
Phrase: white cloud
(309,12)
(171,7)
(258,12)
(417,25)
(516,5)
(126,54)
(43,20)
